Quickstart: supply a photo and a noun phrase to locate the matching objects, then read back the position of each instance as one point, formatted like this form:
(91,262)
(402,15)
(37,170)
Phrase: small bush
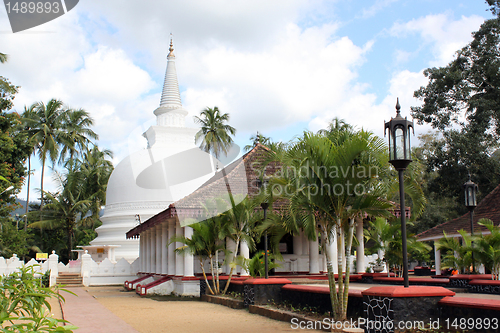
(24,305)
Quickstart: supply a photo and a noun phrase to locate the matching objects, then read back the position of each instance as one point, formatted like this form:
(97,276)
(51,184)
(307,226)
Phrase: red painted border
(411,291)
(485,282)
(267,281)
(475,303)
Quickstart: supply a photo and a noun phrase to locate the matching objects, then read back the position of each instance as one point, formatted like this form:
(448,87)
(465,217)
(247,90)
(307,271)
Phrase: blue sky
(277,66)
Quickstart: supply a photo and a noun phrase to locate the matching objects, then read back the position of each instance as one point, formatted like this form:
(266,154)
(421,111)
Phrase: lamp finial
(398,107)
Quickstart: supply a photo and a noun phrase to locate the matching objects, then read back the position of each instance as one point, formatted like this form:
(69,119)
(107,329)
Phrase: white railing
(103,273)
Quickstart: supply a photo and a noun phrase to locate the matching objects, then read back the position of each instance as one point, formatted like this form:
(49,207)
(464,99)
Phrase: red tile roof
(488,208)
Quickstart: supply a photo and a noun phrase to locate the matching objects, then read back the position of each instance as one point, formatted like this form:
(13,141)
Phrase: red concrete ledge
(267,281)
(317,290)
(471,277)
(374,275)
(475,303)
(485,282)
(352,277)
(411,291)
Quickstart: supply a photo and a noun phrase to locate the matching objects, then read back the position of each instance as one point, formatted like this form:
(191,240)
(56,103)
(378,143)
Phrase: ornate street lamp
(400,157)
(470,202)
(262,184)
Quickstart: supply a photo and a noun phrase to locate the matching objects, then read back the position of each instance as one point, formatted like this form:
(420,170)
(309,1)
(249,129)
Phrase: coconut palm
(258,138)
(45,129)
(67,207)
(215,134)
(322,171)
(28,119)
(96,170)
(57,131)
(77,133)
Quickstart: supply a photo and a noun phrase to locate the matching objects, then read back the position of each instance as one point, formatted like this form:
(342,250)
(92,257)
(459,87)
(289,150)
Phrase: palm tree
(67,207)
(456,255)
(3,58)
(96,170)
(77,133)
(28,118)
(205,243)
(46,127)
(238,224)
(325,169)
(215,134)
(258,138)
(487,248)
(56,131)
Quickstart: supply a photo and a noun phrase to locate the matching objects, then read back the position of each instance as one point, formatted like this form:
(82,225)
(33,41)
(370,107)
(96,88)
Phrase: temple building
(148,181)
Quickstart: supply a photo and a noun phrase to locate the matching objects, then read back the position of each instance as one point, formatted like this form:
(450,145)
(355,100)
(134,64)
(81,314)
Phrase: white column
(360,250)
(314,257)
(171,248)
(141,252)
(188,257)
(164,250)
(245,253)
(437,258)
(179,261)
(297,244)
(147,245)
(158,248)
(152,258)
(54,268)
(230,247)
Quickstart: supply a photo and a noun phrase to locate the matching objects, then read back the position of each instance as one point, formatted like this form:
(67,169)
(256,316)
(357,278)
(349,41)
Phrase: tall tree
(257,138)
(96,169)
(326,180)
(462,100)
(57,131)
(77,133)
(215,134)
(14,148)
(468,86)
(66,208)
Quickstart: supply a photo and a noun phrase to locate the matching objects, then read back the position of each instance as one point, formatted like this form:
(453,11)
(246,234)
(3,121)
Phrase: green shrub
(24,305)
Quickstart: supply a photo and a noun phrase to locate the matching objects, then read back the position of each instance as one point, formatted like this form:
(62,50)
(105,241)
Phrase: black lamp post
(471,203)
(265,205)
(400,158)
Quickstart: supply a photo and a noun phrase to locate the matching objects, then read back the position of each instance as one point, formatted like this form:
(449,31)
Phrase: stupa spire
(171,97)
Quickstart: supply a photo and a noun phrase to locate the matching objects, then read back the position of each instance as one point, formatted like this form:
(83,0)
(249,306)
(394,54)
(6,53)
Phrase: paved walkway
(90,316)
(110,309)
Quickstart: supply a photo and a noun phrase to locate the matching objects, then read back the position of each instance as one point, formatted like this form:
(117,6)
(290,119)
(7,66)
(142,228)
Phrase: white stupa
(148,181)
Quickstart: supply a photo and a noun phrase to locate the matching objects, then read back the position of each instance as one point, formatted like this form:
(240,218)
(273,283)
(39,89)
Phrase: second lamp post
(400,158)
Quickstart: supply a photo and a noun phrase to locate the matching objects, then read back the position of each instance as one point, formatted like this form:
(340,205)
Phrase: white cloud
(445,34)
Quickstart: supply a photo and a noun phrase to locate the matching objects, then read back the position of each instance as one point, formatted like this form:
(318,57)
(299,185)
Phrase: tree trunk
(41,185)
(350,234)
(205,276)
(27,195)
(231,270)
(331,276)
(340,250)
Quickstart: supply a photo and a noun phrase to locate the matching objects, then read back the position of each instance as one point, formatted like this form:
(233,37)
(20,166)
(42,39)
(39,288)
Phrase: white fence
(103,273)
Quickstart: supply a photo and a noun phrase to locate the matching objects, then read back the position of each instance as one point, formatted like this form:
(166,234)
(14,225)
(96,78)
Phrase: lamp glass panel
(399,143)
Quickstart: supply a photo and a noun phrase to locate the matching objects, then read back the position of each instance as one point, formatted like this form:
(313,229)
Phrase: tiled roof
(241,177)
(488,208)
